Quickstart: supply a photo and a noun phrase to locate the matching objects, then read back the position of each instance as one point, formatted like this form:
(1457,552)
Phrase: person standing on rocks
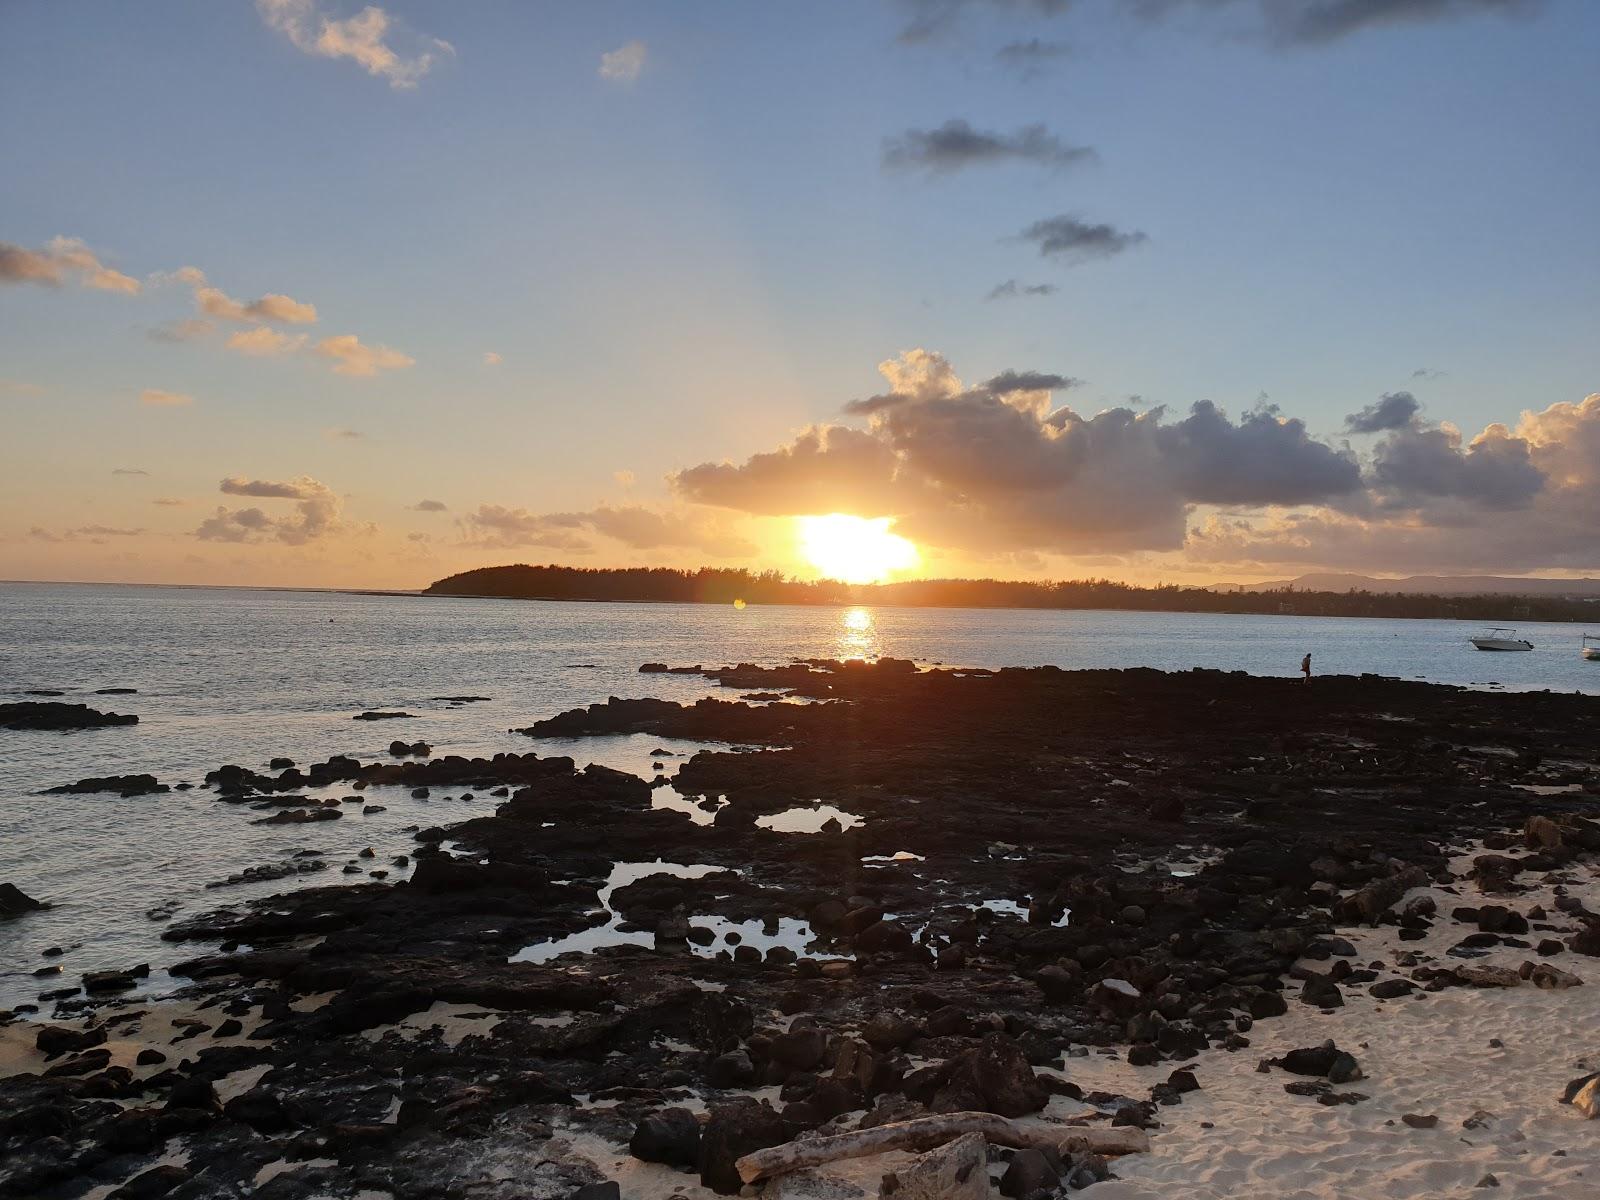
(1305,667)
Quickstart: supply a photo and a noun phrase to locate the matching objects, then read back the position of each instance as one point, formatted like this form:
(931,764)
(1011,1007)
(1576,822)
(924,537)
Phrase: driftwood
(924,1133)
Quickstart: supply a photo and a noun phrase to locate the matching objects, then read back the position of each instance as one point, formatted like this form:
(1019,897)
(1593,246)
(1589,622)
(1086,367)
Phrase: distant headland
(717,585)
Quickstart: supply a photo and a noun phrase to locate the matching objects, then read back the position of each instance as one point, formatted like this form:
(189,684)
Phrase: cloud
(106,531)
(262,342)
(1029,58)
(1426,373)
(492,359)
(931,19)
(633,525)
(16,387)
(63,259)
(298,489)
(1070,240)
(364,39)
(956,144)
(499,526)
(351,356)
(192,329)
(1496,470)
(1286,23)
(339,434)
(624,64)
(214,302)
(129,471)
(96,534)
(994,468)
(1392,410)
(623,478)
(429,506)
(156,398)
(317,513)
(169,502)
(1011,289)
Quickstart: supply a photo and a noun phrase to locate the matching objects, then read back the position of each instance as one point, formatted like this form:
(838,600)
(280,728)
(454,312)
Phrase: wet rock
(52,1040)
(1390,989)
(730,1070)
(372,715)
(260,1109)
(126,786)
(35,714)
(1420,1121)
(115,981)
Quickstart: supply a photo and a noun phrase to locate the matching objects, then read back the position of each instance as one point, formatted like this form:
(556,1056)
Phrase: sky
(311,293)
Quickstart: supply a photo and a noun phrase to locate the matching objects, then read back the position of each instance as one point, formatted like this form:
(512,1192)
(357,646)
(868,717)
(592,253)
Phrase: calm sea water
(234,676)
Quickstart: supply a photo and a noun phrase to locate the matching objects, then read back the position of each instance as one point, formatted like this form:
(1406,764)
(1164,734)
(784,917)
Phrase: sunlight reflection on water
(858,634)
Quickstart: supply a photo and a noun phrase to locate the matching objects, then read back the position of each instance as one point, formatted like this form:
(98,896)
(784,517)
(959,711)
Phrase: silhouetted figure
(1305,667)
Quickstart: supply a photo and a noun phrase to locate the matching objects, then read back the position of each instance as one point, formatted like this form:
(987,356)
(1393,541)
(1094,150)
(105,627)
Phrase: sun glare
(855,549)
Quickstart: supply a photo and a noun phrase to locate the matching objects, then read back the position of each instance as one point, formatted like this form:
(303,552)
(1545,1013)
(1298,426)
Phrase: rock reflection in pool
(808,820)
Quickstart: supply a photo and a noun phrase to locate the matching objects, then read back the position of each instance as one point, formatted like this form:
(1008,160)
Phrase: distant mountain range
(1432,585)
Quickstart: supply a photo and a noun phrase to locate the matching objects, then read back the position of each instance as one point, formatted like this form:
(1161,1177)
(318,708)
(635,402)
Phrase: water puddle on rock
(810,819)
(726,935)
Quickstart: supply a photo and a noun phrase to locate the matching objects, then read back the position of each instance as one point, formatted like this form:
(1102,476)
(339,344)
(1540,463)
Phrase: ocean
(243,676)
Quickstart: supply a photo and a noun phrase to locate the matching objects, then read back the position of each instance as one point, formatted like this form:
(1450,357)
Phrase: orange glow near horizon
(855,549)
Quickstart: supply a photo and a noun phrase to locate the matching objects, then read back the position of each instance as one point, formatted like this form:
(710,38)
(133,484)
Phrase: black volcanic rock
(31,714)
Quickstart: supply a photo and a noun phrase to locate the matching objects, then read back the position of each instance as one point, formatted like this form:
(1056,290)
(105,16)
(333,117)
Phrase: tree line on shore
(726,585)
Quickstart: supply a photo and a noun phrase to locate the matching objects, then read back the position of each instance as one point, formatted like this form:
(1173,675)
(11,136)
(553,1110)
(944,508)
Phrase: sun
(855,549)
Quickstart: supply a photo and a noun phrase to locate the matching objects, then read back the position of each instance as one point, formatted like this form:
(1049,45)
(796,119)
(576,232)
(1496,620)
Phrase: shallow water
(241,676)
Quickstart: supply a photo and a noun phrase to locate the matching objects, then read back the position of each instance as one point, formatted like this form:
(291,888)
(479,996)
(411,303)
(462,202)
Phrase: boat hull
(1500,644)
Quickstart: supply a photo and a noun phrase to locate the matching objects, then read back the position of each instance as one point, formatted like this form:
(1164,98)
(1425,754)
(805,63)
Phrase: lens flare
(855,549)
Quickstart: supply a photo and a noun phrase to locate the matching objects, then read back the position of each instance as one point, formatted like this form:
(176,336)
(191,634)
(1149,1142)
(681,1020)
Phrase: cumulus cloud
(317,513)
(212,301)
(1495,470)
(263,342)
(996,468)
(1011,289)
(931,19)
(1070,240)
(492,359)
(1392,410)
(429,506)
(156,398)
(1445,506)
(624,64)
(499,526)
(369,39)
(351,356)
(63,260)
(956,144)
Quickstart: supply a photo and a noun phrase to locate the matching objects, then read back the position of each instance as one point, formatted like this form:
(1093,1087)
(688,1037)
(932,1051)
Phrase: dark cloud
(1496,470)
(1011,288)
(1319,22)
(956,144)
(429,506)
(1030,57)
(995,468)
(1392,410)
(929,19)
(297,489)
(1068,239)
(1263,459)
(1028,381)
(1426,373)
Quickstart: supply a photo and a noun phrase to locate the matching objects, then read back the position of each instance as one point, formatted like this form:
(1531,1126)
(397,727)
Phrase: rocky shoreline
(1019,872)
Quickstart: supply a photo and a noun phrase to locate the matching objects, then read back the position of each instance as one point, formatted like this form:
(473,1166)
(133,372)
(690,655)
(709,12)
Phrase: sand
(1423,1056)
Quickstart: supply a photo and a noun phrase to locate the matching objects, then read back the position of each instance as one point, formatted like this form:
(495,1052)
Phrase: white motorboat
(1501,639)
(1591,647)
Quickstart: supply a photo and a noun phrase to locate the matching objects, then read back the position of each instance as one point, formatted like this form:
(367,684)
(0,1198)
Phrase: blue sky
(692,265)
